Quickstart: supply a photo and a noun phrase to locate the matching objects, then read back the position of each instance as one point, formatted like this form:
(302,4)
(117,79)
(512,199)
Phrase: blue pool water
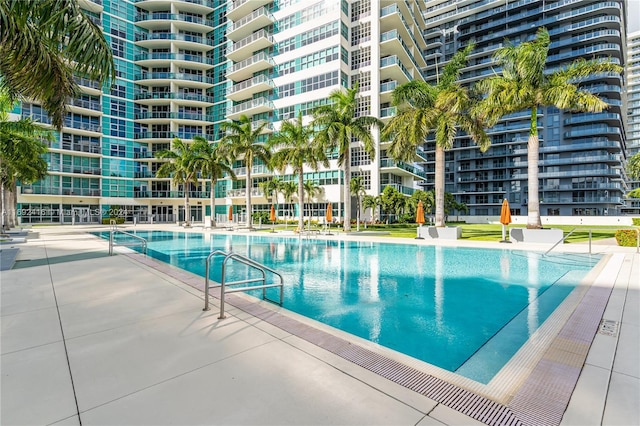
(462,309)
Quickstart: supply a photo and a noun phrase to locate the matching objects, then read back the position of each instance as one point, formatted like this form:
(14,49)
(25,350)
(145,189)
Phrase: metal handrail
(223,282)
(137,237)
(590,237)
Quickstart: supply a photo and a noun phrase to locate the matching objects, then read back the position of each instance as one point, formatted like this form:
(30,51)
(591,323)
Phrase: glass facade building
(581,154)
(186,66)
(633,111)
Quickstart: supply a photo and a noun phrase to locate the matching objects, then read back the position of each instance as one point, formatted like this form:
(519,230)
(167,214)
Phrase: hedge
(107,221)
(626,237)
(636,221)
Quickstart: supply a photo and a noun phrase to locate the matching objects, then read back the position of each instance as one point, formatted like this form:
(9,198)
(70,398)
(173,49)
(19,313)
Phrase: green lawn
(485,232)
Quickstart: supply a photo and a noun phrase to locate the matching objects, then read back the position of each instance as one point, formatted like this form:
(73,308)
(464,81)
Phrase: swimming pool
(465,310)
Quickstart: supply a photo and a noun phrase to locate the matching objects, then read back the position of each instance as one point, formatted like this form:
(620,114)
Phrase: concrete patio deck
(91,339)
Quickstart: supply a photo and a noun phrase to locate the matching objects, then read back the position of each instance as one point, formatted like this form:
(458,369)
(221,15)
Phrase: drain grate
(609,328)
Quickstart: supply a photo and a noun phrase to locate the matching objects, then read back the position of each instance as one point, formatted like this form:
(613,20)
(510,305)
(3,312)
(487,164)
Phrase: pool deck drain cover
(609,328)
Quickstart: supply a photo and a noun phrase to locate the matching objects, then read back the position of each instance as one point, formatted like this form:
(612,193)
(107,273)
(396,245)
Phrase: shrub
(636,221)
(626,237)
(107,220)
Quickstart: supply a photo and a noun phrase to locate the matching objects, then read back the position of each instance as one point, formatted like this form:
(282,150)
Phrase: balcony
(182,60)
(247,88)
(89,148)
(406,190)
(183,41)
(239,8)
(162,98)
(386,90)
(387,112)
(160,116)
(161,20)
(153,136)
(143,174)
(83,127)
(83,170)
(391,67)
(196,6)
(247,68)
(250,108)
(185,79)
(243,27)
(243,48)
(402,167)
(237,193)
(83,106)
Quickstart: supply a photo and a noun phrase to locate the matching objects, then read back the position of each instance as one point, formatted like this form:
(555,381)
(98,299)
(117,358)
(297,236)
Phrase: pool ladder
(139,241)
(224,284)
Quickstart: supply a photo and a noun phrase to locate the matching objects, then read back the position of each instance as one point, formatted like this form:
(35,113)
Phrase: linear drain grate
(609,328)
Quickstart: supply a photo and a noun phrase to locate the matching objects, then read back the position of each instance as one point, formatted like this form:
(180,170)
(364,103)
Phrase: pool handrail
(223,282)
(143,241)
(590,235)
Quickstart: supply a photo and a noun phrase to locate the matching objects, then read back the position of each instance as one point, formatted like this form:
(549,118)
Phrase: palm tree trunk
(248,203)
(439,186)
(358,215)
(533,207)
(212,203)
(300,200)
(347,192)
(13,205)
(187,210)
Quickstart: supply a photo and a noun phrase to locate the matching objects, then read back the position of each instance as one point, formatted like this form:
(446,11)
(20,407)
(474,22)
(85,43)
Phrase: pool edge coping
(534,404)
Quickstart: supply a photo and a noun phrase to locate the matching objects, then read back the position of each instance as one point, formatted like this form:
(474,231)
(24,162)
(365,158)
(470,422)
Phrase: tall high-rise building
(633,111)
(186,66)
(581,154)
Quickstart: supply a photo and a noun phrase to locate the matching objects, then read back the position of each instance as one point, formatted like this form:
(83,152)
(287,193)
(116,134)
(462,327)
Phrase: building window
(118,128)
(117,150)
(364,106)
(363,79)
(117,46)
(361,34)
(119,91)
(118,108)
(360,9)
(366,178)
(361,58)
(359,157)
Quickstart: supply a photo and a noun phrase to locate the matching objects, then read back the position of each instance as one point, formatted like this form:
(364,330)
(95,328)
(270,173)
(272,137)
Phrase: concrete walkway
(90,339)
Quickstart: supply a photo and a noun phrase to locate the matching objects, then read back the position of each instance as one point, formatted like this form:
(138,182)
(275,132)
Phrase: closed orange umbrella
(420,213)
(272,215)
(230,213)
(329,215)
(505,219)
(505,213)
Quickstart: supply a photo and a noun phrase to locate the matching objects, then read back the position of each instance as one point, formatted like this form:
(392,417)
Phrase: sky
(633,15)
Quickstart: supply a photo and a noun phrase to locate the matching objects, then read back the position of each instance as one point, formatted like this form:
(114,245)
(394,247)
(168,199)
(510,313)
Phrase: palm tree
(270,188)
(182,167)
(38,42)
(338,125)
(244,141)
(633,166)
(311,189)
(524,85)
(440,108)
(21,158)
(288,188)
(356,185)
(213,162)
(371,202)
(293,149)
